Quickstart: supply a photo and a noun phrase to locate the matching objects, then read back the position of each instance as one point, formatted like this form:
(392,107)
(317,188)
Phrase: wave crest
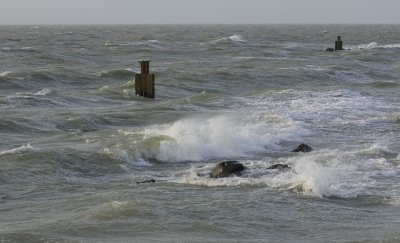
(223,136)
(117,73)
(22,149)
(232,39)
(374,45)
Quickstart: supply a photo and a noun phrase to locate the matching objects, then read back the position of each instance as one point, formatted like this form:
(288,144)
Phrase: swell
(71,122)
(40,78)
(384,84)
(30,163)
(122,74)
(21,126)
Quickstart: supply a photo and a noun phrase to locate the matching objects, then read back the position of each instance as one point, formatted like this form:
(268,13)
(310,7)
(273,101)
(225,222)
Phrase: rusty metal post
(144,82)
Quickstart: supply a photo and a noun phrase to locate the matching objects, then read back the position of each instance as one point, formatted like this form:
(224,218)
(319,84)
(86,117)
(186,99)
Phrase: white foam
(315,179)
(324,106)
(153,41)
(232,38)
(236,38)
(26,48)
(369,46)
(323,173)
(391,46)
(5,73)
(43,92)
(224,135)
(22,149)
(374,45)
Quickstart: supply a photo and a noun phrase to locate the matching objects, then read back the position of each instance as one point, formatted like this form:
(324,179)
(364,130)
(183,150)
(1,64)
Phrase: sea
(76,139)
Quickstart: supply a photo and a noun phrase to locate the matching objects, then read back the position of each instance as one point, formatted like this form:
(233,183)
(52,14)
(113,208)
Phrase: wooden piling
(144,81)
(339,44)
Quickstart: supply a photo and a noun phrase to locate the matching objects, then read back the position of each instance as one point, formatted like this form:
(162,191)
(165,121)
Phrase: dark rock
(329,49)
(278,167)
(227,168)
(146,181)
(303,148)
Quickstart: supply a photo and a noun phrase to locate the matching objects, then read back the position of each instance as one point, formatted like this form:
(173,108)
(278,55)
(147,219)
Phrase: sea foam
(374,45)
(5,73)
(233,38)
(224,135)
(22,149)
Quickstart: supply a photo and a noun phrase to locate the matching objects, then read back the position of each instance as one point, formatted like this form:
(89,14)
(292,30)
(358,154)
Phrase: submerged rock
(278,167)
(303,148)
(227,168)
(146,181)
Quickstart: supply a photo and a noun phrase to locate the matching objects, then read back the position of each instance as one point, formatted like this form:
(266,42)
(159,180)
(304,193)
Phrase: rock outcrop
(227,168)
(303,148)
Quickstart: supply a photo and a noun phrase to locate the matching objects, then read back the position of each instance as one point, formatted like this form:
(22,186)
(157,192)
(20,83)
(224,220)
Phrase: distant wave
(118,73)
(149,43)
(43,92)
(22,149)
(375,45)
(236,38)
(21,49)
(233,38)
(384,84)
(5,73)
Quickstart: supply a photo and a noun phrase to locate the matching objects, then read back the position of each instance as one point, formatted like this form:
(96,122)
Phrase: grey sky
(198,11)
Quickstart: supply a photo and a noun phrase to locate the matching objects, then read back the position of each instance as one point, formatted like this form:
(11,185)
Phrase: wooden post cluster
(144,81)
(339,44)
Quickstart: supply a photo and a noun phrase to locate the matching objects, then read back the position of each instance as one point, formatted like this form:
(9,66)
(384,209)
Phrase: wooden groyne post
(339,44)
(144,81)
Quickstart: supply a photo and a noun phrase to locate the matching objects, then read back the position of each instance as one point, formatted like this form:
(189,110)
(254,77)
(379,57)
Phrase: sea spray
(224,135)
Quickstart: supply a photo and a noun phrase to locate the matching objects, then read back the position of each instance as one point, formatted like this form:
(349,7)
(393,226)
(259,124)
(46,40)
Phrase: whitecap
(22,149)
(225,135)
(108,44)
(369,46)
(43,92)
(236,38)
(5,73)
(26,48)
(391,46)
(374,45)
(232,38)
(153,41)
(117,73)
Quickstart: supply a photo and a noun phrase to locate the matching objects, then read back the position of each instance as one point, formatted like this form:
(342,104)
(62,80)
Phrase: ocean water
(75,138)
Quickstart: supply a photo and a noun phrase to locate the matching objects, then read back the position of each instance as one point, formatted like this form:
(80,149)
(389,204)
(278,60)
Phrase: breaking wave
(233,39)
(22,149)
(228,135)
(374,45)
(324,173)
(5,73)
(118,73)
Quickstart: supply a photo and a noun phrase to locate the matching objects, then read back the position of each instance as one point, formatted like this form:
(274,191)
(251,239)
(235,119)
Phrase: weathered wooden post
(144,81)
(338,44)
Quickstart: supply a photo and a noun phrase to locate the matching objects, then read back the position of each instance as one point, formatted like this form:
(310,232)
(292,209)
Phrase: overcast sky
(199,11)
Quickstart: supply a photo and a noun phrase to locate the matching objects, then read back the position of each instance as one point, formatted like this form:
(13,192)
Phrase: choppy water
(75,138)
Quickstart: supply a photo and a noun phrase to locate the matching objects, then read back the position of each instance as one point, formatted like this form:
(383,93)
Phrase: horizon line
(165,24)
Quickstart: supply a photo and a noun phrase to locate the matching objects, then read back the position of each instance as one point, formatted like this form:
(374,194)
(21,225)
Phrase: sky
(37,12)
